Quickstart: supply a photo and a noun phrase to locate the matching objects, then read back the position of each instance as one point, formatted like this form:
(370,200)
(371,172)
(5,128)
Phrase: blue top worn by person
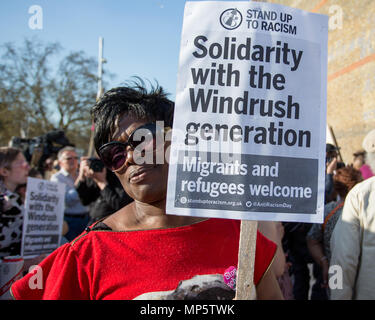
(76,214)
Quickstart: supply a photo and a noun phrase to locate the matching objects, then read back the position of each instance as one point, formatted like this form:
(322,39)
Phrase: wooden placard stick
(335,142)
(245,289)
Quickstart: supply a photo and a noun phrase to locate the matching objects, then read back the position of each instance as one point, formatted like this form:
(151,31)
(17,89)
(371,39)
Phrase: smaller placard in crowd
(44,214)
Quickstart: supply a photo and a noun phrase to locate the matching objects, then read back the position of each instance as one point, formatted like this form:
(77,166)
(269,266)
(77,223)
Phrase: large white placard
(250,116)
(44,216)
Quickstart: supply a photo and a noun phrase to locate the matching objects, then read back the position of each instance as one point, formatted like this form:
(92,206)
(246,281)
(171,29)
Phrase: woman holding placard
(140,249)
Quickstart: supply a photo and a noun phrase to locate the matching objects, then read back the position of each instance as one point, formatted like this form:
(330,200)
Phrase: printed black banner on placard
(246,183)
(38,244)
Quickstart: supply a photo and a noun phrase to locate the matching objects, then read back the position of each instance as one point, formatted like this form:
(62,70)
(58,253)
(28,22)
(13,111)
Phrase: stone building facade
(351,68)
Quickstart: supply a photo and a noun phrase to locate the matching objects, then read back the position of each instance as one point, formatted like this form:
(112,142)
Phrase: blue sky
(141,37)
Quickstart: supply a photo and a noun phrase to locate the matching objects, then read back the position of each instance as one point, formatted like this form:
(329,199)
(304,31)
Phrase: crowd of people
(116,229)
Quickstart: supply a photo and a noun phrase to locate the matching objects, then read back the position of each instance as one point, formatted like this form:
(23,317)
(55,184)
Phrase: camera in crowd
(340,165)
(96,165)
(36,150)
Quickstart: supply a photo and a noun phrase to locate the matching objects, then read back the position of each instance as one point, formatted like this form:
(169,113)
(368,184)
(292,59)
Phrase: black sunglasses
(114,153)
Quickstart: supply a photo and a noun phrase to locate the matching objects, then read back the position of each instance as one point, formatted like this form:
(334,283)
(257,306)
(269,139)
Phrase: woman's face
(18,171)
(358,162)
(146,183)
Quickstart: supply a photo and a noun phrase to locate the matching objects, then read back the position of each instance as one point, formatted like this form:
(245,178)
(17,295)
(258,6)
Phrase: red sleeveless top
(123,265)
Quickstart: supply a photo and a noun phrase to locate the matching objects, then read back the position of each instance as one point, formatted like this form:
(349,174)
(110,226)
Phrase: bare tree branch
(37,96)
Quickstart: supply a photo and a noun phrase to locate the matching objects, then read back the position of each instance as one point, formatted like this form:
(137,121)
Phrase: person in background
(140,249)
(21,188)
(318,291)
(319,236)
(48,167)
(56,166)
(358,159)
(298,256)
(359,162)
(76,214)
(14,170)
(353,238)
(331,166)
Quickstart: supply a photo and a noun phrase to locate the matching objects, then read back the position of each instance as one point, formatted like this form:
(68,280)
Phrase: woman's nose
(129,160)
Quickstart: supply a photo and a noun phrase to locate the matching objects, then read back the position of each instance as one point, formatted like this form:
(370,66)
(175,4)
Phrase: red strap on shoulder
(340,205)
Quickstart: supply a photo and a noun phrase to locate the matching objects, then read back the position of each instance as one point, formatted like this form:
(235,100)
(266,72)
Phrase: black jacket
(103,202)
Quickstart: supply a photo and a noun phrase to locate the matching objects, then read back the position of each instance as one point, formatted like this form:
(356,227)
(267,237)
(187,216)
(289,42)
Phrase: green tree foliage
(40,91)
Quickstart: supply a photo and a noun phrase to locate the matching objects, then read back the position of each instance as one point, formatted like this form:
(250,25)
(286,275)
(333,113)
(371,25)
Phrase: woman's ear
(4,172)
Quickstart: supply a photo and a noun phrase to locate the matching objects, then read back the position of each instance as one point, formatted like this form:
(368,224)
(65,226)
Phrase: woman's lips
(139,174)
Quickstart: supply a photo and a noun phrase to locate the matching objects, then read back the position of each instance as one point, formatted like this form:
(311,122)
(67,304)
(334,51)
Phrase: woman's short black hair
(133,100)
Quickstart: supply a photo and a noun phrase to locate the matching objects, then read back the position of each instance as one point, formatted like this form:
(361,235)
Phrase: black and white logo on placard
(41,186)
(231,19)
